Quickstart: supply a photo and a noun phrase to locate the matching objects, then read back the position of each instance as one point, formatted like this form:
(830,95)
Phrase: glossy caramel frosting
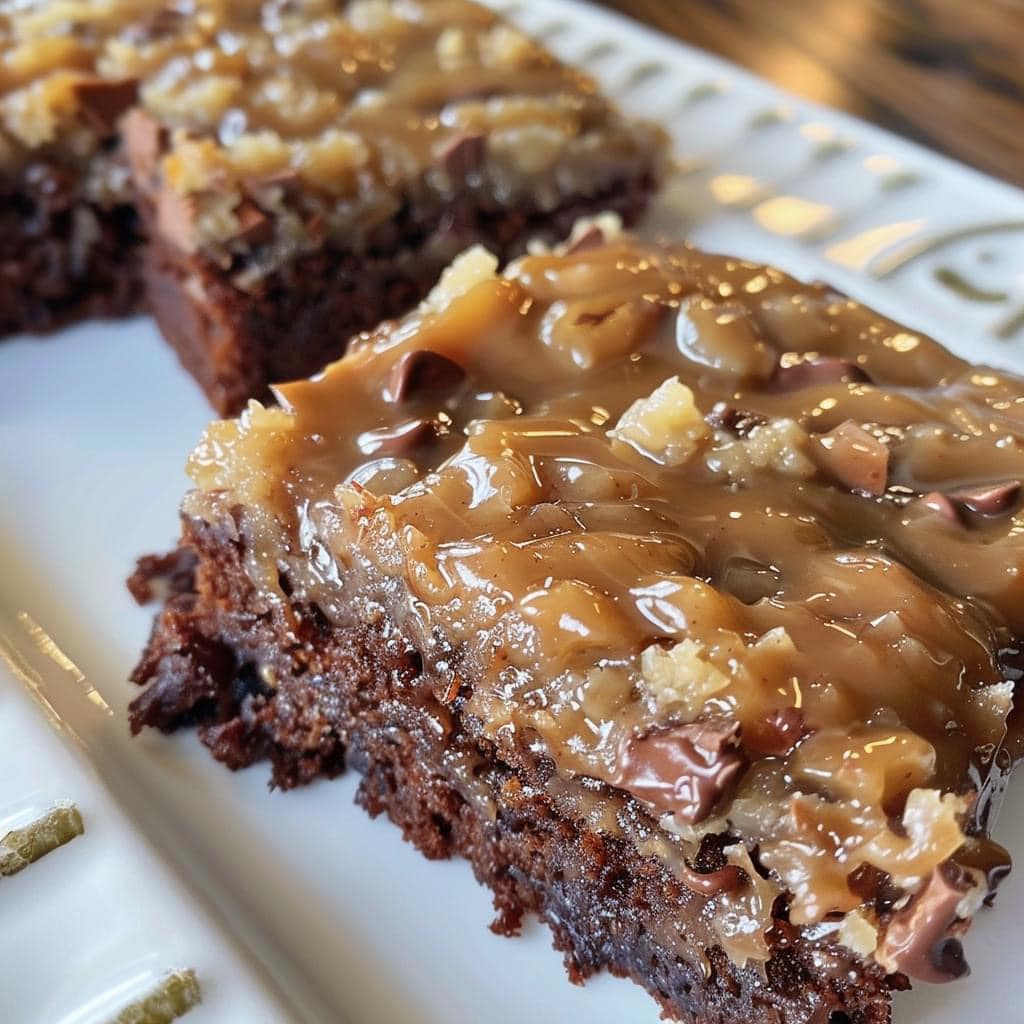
(272,124)
(739,555)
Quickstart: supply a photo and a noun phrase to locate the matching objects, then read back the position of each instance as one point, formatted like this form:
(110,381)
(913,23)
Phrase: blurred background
(947,73)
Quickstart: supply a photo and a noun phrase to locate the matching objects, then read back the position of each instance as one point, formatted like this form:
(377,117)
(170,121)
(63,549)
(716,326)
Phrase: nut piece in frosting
(681,676)
(666,426)
(856,932)
(779,445)
(682,679)
(856,459)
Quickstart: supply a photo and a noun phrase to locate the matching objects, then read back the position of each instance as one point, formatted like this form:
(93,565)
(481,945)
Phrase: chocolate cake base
(283,683)
(237,342)
(62,258)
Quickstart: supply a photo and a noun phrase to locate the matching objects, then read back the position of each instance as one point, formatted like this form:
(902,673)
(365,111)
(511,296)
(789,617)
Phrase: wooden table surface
(947,73)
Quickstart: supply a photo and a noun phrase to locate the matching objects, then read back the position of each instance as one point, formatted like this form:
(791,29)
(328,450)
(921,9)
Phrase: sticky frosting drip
(734,551)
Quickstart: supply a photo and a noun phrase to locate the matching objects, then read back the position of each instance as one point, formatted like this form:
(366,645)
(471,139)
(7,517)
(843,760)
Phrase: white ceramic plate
(297,907)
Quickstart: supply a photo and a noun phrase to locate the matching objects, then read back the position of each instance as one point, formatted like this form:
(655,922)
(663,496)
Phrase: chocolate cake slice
(682,598)
(302,169)
(69,232)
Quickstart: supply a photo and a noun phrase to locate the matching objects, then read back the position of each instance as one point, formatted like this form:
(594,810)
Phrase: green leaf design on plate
(23,846)
(176,994)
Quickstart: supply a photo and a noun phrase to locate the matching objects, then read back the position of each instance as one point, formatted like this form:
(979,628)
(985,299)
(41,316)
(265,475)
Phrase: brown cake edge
(357,697)
(237,342)
(63,258)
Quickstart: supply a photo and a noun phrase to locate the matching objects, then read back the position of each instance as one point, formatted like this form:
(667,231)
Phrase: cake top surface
(724,546)
(242,103)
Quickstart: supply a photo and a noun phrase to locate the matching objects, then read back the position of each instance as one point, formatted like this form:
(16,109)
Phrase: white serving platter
(297,907)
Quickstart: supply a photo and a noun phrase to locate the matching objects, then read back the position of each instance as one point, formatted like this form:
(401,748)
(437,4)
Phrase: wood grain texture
(948,73)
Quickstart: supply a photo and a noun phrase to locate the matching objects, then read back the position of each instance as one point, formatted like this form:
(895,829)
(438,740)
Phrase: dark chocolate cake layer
(360,698)
(62,258)
(721,569)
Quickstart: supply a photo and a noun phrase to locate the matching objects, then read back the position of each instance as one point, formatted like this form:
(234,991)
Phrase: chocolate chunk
(101,101)
(592,238)
(398,440)
(989,499)
(144,141)
(682,770)
(922,939)
(868,882)
(711,883)
(423,372)
(736,421)
(939,503)
(815,372)
(254,226)
(875,887)
(464,155)
(855,458)
(778,732)
(988,857)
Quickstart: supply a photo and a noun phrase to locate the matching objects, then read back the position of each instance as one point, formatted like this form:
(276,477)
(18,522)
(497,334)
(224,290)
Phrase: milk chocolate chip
(812,373)
(990,499)
(736,421)
(711,883)
(464,155)
(592,238)
(423,372)
(254,226)
(682,770)
(101,101)
(941,505)
(778,732)
(922,940)
(987,856)
(399,440)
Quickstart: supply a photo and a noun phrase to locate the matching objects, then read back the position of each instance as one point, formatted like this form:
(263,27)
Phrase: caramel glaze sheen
(599,499)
